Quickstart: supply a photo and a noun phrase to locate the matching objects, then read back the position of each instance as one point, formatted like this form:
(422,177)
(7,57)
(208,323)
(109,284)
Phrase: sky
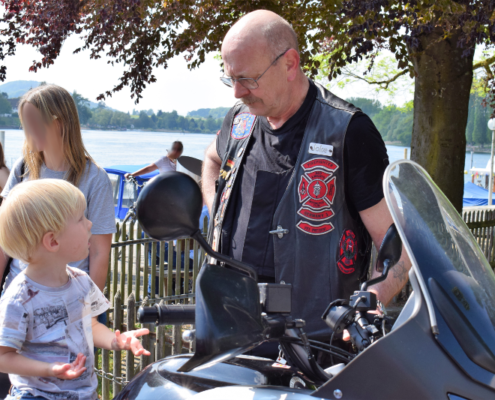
(177,88)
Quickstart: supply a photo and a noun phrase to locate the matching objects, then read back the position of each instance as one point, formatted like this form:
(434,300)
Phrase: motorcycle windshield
(457,281)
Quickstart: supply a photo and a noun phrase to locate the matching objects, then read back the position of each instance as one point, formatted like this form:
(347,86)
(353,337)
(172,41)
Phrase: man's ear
(50,242)
(292,64)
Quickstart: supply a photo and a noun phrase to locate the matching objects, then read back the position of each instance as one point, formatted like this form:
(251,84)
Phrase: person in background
(4,171)
(48,313)
(53,148)
(164,164)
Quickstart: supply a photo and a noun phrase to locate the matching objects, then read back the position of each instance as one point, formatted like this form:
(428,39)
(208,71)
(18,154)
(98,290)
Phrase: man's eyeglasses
(249,83)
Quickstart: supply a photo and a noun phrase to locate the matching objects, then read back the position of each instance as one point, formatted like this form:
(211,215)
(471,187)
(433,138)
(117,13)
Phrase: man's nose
(240,91)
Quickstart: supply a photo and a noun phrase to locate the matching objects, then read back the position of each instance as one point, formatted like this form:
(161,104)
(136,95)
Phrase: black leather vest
(321,249)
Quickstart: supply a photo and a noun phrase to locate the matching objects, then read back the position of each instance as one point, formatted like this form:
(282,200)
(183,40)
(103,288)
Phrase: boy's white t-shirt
(53,325)
(164,164)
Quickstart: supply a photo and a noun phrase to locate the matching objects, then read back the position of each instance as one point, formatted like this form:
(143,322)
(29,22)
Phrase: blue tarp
(475,195)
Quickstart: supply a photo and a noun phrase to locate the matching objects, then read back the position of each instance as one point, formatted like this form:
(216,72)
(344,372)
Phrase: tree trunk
(441,103)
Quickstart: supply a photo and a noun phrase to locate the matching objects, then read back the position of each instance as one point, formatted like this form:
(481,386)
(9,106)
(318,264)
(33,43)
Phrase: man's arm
(99,254)
(377,220)
(143,171)
(211,170)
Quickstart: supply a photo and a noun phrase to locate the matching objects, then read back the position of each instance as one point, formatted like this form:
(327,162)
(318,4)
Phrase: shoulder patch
(242,126)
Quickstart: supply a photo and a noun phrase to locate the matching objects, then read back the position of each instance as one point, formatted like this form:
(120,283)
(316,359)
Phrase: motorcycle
(441,346)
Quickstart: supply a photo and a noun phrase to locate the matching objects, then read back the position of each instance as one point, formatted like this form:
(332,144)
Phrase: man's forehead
(244,59)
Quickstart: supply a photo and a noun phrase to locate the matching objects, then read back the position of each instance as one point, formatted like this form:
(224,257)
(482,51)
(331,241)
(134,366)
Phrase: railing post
(153,270)
(137,269)
(161,277)
(105,383)
(117,356)
(130,260)
(145,360)
(115,271)
(122,260)
(131,318)
(160,340)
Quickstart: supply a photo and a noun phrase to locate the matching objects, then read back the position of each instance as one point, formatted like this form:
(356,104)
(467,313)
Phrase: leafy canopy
(145,34)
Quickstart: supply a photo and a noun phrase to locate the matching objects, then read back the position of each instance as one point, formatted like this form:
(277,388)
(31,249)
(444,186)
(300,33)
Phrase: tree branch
(485,64)
(385,83)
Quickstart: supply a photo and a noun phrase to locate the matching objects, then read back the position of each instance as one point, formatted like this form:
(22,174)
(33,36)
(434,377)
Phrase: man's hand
(129,341)
(68,371)
(126,176)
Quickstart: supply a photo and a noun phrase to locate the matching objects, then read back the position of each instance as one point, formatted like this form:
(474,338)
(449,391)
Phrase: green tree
(82,107)
(5,107)
(433,41)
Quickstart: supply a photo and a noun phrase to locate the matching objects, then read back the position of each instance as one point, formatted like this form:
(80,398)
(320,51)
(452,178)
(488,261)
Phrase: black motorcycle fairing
(162,380)
(407,364)
(228,316)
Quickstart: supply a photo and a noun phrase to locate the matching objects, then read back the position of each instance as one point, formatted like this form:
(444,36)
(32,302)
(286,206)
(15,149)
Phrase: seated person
(48,314)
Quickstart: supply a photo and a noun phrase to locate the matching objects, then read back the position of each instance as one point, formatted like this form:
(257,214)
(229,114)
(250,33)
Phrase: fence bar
(160,339)
(137,268)
(105,383)
(153,270)
(130,260)
(160,270)
(145,270)
(115,264)
(131,320)
(122,261)
(178,267)
(186,267)
(117,356)
(170,268)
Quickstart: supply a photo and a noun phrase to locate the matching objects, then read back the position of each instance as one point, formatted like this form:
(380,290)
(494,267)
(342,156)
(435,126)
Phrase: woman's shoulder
(95,172)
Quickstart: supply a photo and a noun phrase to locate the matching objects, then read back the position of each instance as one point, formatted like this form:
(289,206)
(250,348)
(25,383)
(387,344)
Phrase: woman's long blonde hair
(56,105)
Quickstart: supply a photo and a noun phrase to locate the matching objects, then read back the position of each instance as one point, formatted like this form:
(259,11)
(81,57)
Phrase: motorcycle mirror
(169,208)
(390,249)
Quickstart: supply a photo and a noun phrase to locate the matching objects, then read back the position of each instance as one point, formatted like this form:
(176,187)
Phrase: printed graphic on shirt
(347,254)
(242,126)
(45,318)
(316,191)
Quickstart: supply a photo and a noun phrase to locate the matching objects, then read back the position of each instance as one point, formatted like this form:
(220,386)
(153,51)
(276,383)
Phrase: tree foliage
(143,35)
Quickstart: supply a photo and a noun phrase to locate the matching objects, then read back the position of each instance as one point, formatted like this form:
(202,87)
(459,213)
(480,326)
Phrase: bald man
(294,177)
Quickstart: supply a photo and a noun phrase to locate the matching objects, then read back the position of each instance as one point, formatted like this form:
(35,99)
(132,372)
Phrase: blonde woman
(53,148)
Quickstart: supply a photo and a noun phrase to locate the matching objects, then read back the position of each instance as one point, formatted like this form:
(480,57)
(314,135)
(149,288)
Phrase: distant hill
(16,89)
(218,112)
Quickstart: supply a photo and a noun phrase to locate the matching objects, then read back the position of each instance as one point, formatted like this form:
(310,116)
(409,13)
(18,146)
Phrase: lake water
(134,147)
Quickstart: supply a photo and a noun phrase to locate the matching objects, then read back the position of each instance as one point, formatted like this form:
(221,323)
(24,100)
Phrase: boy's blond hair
(34,208)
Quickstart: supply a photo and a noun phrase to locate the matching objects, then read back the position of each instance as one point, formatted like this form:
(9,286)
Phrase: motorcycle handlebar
(167,315)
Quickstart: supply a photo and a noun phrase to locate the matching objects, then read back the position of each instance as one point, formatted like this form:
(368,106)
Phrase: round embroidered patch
(242,126)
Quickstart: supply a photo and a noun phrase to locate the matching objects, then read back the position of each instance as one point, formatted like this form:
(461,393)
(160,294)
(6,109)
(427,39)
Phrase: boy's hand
(69,371)
(129,341)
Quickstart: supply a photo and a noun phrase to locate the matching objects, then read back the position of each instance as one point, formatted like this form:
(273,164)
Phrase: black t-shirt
(266,170)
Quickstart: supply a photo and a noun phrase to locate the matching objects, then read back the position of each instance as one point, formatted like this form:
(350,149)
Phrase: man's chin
(256,109)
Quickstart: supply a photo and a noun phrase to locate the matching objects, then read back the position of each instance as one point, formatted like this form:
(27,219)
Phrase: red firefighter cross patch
(316,192)
(347,254)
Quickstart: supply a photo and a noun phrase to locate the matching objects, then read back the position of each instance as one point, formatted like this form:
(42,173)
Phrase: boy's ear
(50,242)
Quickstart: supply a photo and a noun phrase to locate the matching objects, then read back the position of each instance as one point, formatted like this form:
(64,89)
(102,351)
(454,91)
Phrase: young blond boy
(48,313)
